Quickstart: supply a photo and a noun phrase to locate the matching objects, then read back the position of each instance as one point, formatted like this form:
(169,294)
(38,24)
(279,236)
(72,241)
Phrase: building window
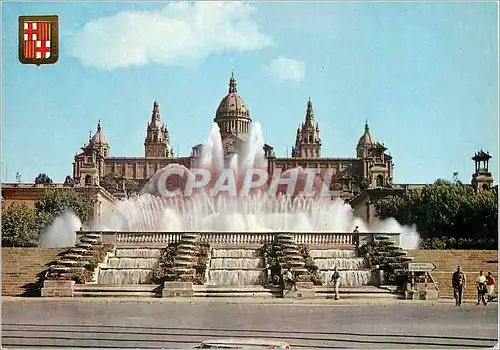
(88,180)
(380,181)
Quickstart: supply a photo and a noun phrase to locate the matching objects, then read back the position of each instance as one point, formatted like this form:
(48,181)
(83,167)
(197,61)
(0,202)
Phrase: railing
(323,238)
(212,237)
(236,237)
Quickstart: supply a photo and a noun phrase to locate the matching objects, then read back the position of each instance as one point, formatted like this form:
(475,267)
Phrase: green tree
(453,212)
(55,202)
(43,179)
(110,182)
(21,225)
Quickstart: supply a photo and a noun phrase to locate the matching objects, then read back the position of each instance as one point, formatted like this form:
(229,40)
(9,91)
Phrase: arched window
(380,181)
(485,186)
(88,180)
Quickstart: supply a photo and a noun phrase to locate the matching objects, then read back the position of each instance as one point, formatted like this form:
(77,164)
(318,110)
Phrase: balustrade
(164,238)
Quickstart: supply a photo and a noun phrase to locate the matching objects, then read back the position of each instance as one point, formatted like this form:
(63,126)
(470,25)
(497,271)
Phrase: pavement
(184,323)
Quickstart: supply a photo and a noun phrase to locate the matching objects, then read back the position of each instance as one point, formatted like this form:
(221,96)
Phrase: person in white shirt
(336,282)
(481,288)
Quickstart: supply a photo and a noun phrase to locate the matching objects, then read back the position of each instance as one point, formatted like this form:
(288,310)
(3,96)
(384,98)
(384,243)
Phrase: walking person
(458,282)
(490,286)
(336,282)
(481,288)
(290,279)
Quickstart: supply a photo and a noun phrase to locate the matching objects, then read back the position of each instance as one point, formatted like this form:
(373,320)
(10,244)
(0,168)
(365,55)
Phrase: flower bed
(381,254)
(83,274)
(312,270)
(272,252)
(163,272)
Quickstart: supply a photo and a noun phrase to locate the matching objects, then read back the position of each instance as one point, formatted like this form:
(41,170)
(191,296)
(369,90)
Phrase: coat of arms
(38,39)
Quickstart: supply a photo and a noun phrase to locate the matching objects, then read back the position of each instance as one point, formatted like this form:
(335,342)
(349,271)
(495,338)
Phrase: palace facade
(370,171)
(372,167)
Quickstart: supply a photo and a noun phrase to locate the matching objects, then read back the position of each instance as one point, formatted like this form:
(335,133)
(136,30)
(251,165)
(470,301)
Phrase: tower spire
(156,111)
(367,127)
(310,113)
(99,125)
(232,84)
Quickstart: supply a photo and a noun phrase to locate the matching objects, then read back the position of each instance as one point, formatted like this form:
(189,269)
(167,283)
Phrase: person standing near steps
(490,286)
(481,288)
(336,282)
(458,283)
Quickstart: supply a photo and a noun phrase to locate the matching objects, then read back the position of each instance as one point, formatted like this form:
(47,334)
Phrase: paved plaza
(174,323)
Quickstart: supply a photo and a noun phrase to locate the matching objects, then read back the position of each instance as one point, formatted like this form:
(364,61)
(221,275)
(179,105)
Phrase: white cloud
(287,69)
(179,34)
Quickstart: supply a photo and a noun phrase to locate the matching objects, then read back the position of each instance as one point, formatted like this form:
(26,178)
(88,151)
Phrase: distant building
(29,193)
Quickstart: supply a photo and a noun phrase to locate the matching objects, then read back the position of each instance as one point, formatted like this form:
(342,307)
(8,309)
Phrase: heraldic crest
(38,39)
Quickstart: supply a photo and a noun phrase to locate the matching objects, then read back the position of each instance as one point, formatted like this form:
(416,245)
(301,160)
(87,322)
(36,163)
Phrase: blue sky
(425,75)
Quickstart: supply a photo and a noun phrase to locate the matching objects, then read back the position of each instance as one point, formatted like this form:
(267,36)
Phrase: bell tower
(157,143)
(482,179)
(307,140)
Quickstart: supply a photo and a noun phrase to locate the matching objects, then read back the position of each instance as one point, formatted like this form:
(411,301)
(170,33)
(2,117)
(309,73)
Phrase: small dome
(99,137)
(232,105)
(366,139)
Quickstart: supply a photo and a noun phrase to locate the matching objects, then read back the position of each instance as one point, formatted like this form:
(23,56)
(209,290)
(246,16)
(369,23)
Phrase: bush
(312,269)
(272,252)
(446,210)
(21,225)
(379,253)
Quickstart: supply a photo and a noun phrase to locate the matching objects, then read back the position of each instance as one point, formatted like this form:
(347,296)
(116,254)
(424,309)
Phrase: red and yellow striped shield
(38,39)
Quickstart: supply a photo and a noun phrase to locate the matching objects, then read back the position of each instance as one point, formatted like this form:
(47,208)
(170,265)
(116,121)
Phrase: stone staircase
(121,290)
(446,261)
(22,269)
(363,292)
(254,291)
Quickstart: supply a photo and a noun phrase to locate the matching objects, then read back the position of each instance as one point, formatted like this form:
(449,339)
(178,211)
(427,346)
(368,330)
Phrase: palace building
(372,167)
(360,180)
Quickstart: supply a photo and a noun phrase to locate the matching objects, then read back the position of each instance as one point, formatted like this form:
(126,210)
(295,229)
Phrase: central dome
(232,105)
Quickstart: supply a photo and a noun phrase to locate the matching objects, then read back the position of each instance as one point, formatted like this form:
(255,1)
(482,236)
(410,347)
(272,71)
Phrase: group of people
(289,279)
(485,287)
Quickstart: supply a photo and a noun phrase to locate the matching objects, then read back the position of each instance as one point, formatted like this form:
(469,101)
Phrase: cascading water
(354,271)
(236,267)
(130,266)
(258,211)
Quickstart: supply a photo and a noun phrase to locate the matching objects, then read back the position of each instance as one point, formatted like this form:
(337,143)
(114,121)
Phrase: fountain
(129,266)
(354,271)
(237,208)
(236,267)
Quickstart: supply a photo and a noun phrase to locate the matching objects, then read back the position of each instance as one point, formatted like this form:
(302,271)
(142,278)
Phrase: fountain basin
(93,235)
(187,245)
(183,270)
(89,240)
(61,269)
(183,258)
(406,258)
(72,262)
(79,250)
(73,256)
(83,245)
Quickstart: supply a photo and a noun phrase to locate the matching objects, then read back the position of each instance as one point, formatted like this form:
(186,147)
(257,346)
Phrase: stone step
(132,294)
(214,294)
(223,289)
(366,296)
(132,288)
(354,290)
